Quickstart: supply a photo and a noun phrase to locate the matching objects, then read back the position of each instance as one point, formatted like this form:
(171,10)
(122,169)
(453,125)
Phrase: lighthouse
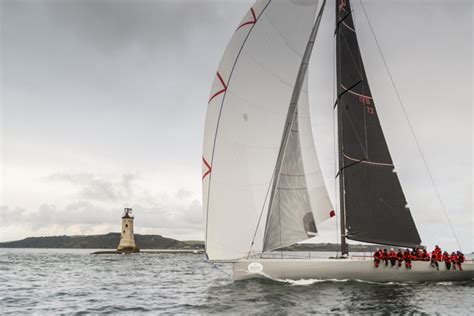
(127,242)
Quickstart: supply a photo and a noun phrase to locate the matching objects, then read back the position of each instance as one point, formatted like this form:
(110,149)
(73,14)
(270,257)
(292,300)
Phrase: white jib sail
(245,118)
(296,204)
(290,218)
(318,194)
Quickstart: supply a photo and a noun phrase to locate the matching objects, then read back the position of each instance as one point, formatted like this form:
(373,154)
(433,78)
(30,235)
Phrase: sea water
(71,281)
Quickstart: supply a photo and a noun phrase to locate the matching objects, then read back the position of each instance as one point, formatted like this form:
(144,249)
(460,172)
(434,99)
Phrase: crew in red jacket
(392,256)
(377,255)
(447,260)
(399,257)
(419,253)
(439,256)
(461,259)
(434,262)
(385,256)
(425,256)
(454,260)
(407,258)
(438,253)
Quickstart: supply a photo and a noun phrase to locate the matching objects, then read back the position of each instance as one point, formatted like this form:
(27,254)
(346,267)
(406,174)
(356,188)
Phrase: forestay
(245,119)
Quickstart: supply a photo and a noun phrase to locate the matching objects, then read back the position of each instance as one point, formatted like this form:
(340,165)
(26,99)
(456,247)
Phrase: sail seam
(350,28)
(369,162)
(355,93)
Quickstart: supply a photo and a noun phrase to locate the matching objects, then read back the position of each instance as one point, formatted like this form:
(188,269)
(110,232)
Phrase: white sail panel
(242,142)
(290,219)
(218,90)
(318,193)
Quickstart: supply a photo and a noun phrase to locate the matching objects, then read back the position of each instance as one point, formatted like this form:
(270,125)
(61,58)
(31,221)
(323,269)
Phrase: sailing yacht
(263,188)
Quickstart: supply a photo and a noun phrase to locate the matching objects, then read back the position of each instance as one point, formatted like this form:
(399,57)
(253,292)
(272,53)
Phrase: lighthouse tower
(127,242)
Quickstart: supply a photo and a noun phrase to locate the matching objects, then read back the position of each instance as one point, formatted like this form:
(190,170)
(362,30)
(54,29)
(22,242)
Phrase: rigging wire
(410,125)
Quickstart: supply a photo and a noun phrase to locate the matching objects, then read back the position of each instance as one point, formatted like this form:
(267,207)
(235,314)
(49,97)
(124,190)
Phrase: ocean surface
(71,281)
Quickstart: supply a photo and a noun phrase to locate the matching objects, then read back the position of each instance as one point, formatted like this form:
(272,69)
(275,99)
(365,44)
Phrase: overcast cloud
(103,103)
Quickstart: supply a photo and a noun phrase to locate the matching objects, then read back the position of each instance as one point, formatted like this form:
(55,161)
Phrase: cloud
(182,221)
(97,208)
(93,187)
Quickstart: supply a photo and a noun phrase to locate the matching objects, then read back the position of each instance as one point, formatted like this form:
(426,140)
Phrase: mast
(340,174)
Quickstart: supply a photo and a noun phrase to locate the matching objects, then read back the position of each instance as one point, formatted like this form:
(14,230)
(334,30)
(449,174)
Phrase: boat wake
(305,282)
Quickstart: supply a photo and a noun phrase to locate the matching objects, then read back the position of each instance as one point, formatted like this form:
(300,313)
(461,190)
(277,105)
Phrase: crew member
(419,253)
(377,255)
(439,255)
(385,256)
(461,259)
(425,256)
(392,255)
(407,258)
(399,257)
(454,259)
(434,262)
(447,260)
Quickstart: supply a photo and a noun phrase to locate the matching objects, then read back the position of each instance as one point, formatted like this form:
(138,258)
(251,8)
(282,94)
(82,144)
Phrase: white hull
(347,269)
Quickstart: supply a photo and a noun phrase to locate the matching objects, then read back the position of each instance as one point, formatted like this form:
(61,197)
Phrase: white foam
(305,282)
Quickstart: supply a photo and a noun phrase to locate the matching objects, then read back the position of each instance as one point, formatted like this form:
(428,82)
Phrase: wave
(305,282)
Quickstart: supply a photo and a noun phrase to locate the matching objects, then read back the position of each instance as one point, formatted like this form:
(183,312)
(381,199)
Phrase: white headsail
(246,115)
(318,193)
(301,199)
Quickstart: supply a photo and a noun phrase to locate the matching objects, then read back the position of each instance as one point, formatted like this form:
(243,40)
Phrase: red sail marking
(364,100)
(332,213)
(209,168)
(224,89)
(253,21)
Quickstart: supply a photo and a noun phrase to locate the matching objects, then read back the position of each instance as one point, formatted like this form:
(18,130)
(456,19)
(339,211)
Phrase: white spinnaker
(244,122)
(318,193)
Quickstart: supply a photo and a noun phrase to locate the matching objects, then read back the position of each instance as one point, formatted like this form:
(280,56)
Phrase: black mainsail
(373,206)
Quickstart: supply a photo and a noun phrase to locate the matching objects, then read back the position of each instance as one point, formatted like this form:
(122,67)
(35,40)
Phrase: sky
(103,105)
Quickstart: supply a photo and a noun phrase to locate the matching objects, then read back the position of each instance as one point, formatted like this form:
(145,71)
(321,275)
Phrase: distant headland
(110,241)
(106,241)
